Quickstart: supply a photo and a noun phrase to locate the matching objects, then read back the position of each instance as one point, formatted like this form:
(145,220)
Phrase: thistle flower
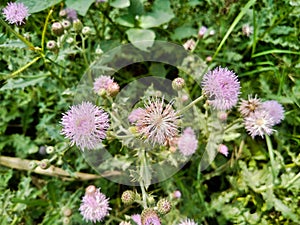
(187,222)
(101,83)
(137,219)
(176,194)
(222,88)
(94,205)
(135,115)
(128,197)
(259,123)
(189,45)
(178,83)
(158,123)
(274,109)
(164,206)
(187,142)
(249,106)
(223,149)
(15,13)
(202,31)
(85,125)
(150,217)
(71,14)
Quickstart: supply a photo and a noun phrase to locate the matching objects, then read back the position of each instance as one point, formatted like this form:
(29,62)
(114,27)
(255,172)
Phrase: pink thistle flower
(135,115)
(274,109)
(85,125)
(137,219)
(187,222)
(259,123)
(176,194)
(102,83)
(150,217)
(223,149)
(158,124)
(189,45)
(222,88)
(94,205)
(15,13)
(202,31)
(187,142)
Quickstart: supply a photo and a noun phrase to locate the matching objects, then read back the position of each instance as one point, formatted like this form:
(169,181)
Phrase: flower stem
(45,29)
(190,105)
(271,154)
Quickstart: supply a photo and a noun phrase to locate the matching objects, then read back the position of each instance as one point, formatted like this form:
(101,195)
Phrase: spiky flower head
(187,142)
(249,106)
(15,13)
(223,149)
(150,217)
(94,205)
(187,222)
(85,125)
(158,122)
(101,83)
(164,206)
(259,123)
(137,219)
(274,109)
(222,88)
(128,197)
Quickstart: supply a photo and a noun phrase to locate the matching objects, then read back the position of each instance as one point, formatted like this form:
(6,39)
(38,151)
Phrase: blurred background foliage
(38,85)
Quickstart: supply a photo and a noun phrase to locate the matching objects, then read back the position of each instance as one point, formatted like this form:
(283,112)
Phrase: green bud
(57,29)
(178,83)
(66,24)
(50,149)
(77,25)
(44,164)
(163,206)
(128,197)
(86,30)
(52,46)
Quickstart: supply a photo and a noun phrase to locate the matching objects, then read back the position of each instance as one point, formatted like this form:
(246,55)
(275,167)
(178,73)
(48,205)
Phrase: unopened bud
(57,29)
(67,212)
(44,164)
(128,197)
(113,89)
(163,206)
(77,25)
(222,116)
(176,194)
(208,59)
(32,165)
(178,83)
(223,149)
(50,149)
(202,31)
(52,46)
(86,30)
(90,189)
(66,24)
(63,13)
(66,220)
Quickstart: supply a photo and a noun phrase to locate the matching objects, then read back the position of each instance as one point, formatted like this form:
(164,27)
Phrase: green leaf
(35,6)
(126,20)
(120,3)
(81,6)
(141,38)
(161,13)
(183,32)
(21,83)
(52,191)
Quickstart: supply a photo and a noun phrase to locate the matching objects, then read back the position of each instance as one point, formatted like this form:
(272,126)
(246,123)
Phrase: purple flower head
(94,205)
(137,219)
(176,194)
(150,217)
(85,125)
(158,123)
(71,14)
(187,222)
(249,106)
(222,88)
(187,142)
(223,149)
(15,13)
(102,83)
(274,109)
(202,31)
(259,123)
(135,115)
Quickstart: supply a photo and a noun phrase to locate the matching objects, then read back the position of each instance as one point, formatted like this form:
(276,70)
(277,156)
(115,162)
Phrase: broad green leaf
(141,38)
(35,6)
(120,3)
(126,20)
(81,6)
(183,32)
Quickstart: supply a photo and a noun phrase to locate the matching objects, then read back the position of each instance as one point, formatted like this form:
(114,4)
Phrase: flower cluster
(105,85)
(15,13)
(260,117)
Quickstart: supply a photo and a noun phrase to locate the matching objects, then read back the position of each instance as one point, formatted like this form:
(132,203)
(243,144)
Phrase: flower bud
(44,164)
(32,165)
(63,13)
(128,197)
(52,46)
(163,206)
(90,189)
(86,30)
(113,89)
(57,29)
(176,194)
(66,24)
(67,212)
(149,216)
(178,83)
(66,220)
(222,116)
(77,25)
(223,149)
(208,59)
(50,149)
(202,31)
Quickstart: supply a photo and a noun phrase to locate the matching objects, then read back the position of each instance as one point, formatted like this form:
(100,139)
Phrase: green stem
(235,22)
(295,178)
(271,154)
(180,112)
(83,50)
(45,29)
